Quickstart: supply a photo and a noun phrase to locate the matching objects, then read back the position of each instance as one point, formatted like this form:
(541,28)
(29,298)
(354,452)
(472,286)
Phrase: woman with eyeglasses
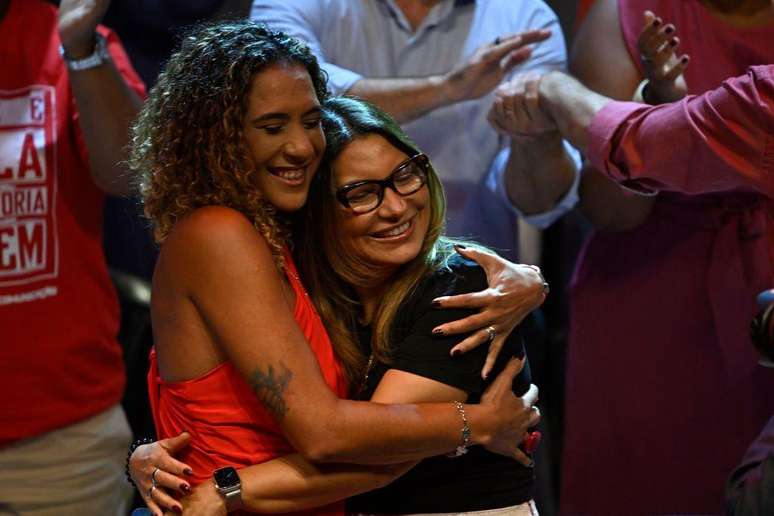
(227,146)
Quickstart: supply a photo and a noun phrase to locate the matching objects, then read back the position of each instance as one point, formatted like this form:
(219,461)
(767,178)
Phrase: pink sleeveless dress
(663,390)
(228,425)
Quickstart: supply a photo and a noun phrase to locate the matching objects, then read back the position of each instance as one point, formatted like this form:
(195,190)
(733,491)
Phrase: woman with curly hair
(227,146)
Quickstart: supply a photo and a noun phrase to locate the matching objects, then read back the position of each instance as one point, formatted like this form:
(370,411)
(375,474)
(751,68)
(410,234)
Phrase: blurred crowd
(651,392)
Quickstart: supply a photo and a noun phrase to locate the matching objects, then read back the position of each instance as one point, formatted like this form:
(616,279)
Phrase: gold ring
(153,477)
(150,492)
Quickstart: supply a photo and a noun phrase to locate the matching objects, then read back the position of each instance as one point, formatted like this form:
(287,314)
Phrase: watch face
(226,477)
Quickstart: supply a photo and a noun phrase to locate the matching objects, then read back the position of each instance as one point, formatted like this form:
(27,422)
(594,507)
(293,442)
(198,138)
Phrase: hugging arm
(292,483)
(229,267)
(513,291)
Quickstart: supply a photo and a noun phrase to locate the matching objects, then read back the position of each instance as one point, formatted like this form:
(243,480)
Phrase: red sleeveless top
(227,423)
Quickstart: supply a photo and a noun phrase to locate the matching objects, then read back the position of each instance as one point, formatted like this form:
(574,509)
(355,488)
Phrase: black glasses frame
(388,182)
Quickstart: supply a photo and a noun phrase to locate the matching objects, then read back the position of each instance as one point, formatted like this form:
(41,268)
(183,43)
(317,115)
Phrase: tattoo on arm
(270,388)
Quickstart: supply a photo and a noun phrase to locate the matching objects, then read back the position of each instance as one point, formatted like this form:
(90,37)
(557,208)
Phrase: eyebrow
(317,110)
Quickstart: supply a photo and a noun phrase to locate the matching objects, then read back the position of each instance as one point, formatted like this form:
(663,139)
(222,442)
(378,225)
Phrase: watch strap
(233,498)
(96,58)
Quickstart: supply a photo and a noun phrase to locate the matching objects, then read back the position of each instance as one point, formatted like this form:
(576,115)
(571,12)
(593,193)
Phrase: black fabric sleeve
(420,352)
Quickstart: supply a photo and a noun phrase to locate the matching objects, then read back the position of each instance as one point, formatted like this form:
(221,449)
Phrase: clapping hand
(489,64)
(658,44)
(516,111)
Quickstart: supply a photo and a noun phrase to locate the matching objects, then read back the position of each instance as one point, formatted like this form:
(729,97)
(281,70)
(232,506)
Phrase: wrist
(538,143)
(217,502)
(79,48)
(448,87)
(481,421)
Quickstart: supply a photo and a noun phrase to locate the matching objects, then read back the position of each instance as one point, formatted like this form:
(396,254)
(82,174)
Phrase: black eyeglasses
(407,178)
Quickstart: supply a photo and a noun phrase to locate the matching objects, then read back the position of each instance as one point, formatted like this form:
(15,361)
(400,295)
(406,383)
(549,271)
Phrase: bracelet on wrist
(462,449)
(136,444)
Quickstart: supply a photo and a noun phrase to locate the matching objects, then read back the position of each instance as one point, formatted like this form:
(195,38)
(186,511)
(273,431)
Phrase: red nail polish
(673,42)
(669,30)
(185,488)
(436,304)
(188,471)
(438,331)
(684,60)
(178,509)
(656,22)
(532,442)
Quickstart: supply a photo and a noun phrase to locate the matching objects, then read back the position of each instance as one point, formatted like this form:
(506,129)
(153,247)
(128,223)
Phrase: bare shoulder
(599,57)
(216,240)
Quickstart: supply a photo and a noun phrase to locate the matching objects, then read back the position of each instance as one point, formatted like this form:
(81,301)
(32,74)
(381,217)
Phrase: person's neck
(415,11)
(4,8)
(370,297)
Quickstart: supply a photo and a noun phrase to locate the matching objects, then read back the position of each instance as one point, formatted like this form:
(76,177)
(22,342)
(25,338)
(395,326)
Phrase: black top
(480,479)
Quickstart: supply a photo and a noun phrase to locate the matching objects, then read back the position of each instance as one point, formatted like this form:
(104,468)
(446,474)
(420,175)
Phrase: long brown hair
(329,271)
(188,143)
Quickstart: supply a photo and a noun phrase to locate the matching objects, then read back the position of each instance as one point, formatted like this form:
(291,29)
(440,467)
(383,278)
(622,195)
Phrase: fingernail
(178,509)
(673,42)
(684,60)
(185,488)
(188,471)
(484,376)
(460,246)
(438,331)
(435,304)
(531,464)
(455,352)
(532,442)
(656,22)
(669,30)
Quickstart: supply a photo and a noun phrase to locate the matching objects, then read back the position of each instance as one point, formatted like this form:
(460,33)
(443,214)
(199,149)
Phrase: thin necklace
(367,372)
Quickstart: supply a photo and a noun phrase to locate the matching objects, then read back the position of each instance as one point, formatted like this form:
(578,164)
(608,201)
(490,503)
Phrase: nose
(299,148)
(393,205)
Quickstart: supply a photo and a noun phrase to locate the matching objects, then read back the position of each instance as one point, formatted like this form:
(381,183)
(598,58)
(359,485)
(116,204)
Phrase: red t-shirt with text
(59,359)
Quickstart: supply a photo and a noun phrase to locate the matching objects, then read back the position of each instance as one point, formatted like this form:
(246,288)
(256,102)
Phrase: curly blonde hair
(188,144)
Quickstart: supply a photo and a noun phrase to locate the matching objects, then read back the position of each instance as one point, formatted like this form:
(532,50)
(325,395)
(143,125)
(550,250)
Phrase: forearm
(405,99)
(571,106)
(292,483)
(106,108)
(374,433)
(538,173)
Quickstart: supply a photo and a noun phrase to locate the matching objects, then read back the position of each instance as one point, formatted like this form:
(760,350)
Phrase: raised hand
(514,291)
(489,64)
(78,20)
(664,69)
(516,110)
(517,414)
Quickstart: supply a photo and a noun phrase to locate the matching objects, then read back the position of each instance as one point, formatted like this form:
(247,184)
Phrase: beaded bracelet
(462,449)
(136,444)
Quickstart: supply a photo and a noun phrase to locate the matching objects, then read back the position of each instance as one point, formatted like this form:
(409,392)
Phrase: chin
(289,203)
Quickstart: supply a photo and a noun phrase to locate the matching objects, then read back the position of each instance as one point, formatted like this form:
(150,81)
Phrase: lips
(395,231)
(290,176)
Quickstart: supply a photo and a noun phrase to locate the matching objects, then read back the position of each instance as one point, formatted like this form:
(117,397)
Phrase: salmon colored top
(227,423)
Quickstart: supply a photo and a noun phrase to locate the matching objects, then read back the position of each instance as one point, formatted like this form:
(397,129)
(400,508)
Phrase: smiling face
(392,234)
(283,134)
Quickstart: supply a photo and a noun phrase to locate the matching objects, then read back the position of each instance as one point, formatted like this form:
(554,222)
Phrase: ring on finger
(150,491)
(491,333)
(153,477)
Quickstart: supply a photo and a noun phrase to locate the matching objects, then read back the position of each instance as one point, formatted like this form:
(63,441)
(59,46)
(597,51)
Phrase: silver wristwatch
(99,56)
(229,486)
